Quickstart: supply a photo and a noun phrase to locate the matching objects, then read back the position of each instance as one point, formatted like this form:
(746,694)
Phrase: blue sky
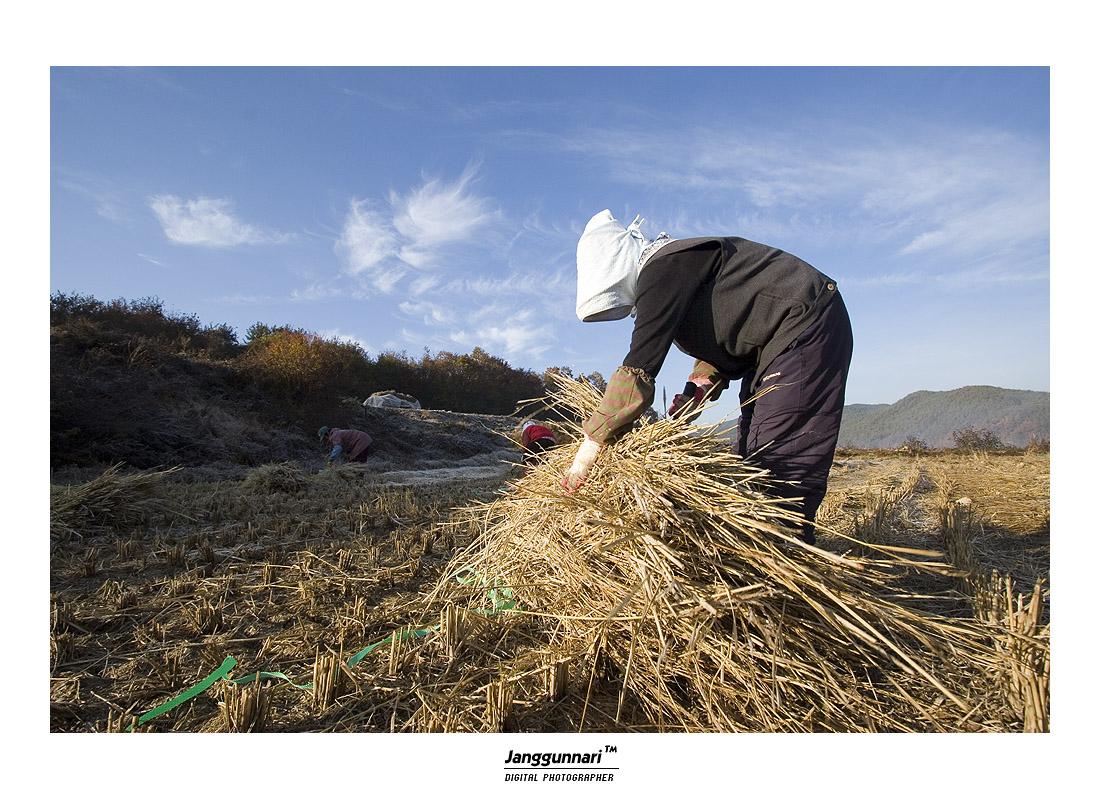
(407,208)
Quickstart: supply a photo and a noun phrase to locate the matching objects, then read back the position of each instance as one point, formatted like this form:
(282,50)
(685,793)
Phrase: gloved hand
(582,463)
(694,392)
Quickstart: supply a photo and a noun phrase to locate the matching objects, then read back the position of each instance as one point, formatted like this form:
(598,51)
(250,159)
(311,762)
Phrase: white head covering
(607,268)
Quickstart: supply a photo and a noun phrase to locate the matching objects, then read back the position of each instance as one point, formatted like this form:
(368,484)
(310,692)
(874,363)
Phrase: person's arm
(336,451)
(667,288)
(705,383)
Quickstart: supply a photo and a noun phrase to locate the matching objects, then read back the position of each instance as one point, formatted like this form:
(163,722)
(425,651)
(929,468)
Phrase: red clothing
(353,443)
(533,432)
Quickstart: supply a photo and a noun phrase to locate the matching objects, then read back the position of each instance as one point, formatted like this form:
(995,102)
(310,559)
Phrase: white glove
(582,462)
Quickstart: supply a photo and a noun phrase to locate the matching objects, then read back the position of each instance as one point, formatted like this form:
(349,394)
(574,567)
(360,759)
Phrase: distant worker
(535,439)
(346,444)
(745,311)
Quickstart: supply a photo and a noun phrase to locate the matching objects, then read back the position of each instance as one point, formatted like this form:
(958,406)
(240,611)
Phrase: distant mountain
(1016,416)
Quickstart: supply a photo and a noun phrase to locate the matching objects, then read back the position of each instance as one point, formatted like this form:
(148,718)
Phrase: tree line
(305,372)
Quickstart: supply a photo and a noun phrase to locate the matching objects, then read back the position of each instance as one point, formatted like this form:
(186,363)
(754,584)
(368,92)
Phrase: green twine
(500,597)
(209,681)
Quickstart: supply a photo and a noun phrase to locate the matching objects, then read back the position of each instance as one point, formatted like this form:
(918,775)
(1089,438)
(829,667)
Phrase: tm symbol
(610,748)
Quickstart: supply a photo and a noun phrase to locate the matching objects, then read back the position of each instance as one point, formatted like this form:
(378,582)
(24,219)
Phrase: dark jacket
(732,303)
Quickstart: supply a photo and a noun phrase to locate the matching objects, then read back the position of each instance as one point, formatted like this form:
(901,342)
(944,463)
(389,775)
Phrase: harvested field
(472,598)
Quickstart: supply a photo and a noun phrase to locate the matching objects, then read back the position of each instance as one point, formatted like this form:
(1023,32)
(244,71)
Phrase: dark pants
(535,450)
(792,430)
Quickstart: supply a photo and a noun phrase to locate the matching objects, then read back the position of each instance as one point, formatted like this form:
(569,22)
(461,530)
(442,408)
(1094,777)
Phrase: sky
(439,208)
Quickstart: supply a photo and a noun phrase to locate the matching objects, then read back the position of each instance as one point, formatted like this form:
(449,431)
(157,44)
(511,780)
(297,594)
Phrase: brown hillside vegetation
(465,596)
(131,382)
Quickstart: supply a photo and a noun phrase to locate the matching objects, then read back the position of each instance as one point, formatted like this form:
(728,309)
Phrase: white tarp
(391,400)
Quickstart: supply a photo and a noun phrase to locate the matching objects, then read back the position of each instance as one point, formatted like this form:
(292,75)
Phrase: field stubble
(292,574)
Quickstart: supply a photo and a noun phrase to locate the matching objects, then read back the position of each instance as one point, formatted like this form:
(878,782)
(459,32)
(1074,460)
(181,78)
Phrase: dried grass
(673,571)
(269,478)
(111,500)
(666,594)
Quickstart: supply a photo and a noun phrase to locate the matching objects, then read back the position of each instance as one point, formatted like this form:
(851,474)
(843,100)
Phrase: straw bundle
(271,478)
(674,569)
(111,500)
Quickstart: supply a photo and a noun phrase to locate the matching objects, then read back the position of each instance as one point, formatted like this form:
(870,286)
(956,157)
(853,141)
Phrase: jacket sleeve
(667,288)
(702,371)
(629,393)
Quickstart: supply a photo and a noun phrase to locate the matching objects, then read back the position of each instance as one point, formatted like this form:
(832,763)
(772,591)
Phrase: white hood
(607,268)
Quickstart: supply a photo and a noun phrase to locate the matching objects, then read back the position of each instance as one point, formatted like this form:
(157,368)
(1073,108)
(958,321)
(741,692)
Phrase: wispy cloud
(439,214)
(208,222)
(420,231)
(516,337)
(151,260)
(107,198)
(928,190)
(521,332)
(318,291)
(367,246)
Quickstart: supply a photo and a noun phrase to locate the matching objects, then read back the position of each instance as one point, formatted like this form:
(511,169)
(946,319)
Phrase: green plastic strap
(256,676)
(355,659)
(209,681)
(496,597)
(500,597)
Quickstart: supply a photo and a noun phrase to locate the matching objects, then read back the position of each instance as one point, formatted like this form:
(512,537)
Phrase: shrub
(976,441)
(298,366)
(915,446)
(145,319)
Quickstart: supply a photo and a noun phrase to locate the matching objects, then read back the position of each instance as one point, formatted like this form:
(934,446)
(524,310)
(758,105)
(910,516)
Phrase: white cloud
(424,229)
(514,339)
(927,188)
(425,283)
(455,317)
(108,199)
(317,291)
(366,241)
(431,313)
(151,260)
(517,283)
(441,213)
(208,222)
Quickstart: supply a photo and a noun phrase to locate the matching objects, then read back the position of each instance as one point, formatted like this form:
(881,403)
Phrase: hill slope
(1016,416)
(115,399)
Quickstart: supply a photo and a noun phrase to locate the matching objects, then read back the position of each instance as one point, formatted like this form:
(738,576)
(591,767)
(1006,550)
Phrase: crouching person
(347,444)
(535,439)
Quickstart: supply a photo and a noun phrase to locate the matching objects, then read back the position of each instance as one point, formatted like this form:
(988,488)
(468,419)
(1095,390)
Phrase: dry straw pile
(270,478)
(113,499)
(670,587)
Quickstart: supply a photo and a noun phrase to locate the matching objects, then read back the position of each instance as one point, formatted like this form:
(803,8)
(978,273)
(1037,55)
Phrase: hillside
(139,396)
(1015,416)
(131,384)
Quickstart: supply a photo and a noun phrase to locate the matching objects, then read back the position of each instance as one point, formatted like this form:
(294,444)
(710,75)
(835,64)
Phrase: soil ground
(277,574)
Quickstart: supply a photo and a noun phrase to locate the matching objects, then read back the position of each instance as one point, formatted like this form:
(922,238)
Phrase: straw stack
(674,569)
(112,499)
